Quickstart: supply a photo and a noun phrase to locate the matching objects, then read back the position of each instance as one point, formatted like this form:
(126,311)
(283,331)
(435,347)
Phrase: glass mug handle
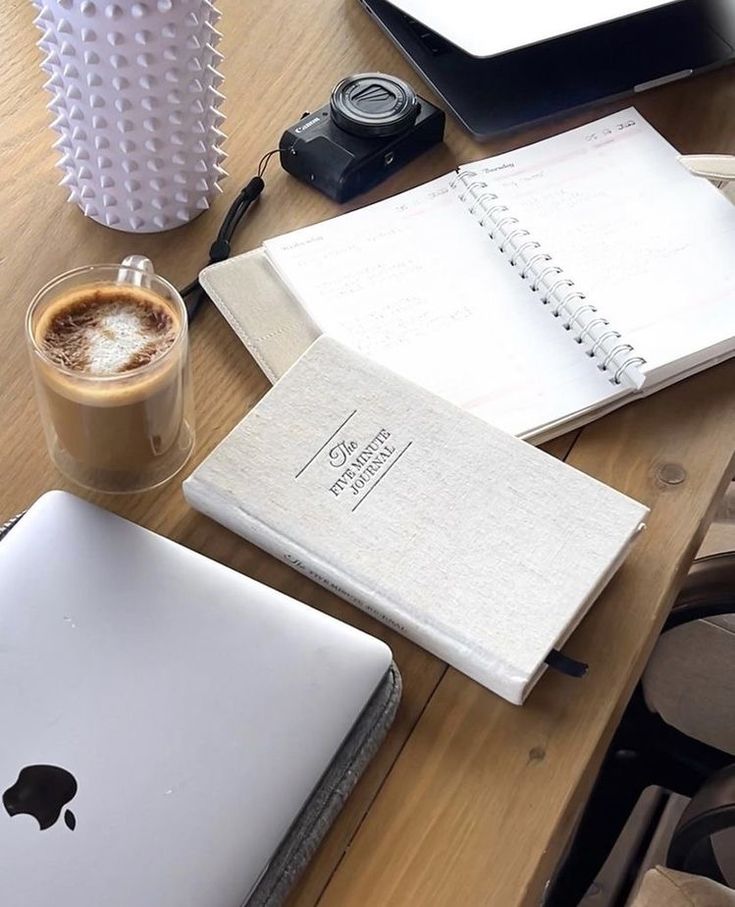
(133,270)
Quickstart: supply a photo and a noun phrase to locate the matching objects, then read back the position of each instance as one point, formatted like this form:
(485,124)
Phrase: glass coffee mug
(110,358)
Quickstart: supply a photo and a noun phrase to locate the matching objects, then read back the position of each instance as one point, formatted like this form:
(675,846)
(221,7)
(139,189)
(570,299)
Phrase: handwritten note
(415,284)
(651,245)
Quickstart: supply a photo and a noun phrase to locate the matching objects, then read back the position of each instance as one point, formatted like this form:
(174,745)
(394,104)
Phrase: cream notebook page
(649,244)
(415,284)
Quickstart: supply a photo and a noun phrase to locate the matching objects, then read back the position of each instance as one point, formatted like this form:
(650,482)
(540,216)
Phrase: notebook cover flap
(261,310)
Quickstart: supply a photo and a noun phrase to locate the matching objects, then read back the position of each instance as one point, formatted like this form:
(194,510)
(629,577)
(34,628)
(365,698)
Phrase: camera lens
(373,104)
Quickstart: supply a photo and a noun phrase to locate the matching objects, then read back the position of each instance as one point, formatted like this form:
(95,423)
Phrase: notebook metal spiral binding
(555,289)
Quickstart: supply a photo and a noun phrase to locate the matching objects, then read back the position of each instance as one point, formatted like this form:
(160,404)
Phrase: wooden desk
(470,800)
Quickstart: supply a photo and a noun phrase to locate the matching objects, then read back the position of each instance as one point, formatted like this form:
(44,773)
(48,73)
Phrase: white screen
(484,28)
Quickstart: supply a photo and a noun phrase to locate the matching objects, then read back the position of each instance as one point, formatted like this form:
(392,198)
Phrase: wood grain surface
(471,800)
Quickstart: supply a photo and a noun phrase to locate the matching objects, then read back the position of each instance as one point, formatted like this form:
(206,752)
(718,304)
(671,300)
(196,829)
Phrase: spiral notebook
(537,289)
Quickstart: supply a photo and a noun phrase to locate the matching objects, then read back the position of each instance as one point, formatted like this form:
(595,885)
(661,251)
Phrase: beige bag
(666,888)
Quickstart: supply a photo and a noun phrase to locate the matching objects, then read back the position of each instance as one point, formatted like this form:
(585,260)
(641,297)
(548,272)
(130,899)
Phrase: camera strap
(193,294)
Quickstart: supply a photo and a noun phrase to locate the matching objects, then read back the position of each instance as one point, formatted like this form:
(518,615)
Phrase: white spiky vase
(136,105)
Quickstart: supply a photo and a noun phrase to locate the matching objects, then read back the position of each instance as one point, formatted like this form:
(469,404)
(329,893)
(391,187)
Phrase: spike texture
(135,101)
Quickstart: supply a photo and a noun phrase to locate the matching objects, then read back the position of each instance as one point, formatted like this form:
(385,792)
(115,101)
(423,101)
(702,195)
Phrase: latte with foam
(111,370)
(108,331)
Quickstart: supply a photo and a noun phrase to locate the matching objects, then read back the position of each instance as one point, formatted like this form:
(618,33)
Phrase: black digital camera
(372,125)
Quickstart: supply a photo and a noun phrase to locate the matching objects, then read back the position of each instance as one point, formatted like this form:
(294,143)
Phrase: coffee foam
(106,331)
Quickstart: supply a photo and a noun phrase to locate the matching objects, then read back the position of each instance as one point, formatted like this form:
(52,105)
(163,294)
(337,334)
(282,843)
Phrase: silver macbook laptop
(164,718)
(501,66)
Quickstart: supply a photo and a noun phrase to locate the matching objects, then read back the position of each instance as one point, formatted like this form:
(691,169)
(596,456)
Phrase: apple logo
(42,791)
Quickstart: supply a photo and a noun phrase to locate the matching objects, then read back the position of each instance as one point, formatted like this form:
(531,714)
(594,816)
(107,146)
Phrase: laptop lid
(531,84)
(164,717)
(485,29)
